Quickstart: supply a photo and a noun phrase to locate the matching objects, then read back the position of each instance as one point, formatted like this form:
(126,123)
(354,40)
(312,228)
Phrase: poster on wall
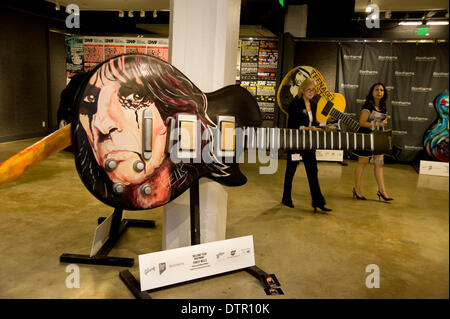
(84,53)
(136,46)
(93,52)
(158,48)
(258,72)
(74,54)
(114,47)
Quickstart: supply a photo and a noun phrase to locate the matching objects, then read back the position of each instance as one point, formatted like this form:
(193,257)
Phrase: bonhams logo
(430,104)
(352,57)
(390,88)
(401,73)
(399,132)
(412,147)
(401,103)
(360,101)
(349,86)
(440,74)
(421,89)
(425,58)
(417,119)
(387,58)
(368,72)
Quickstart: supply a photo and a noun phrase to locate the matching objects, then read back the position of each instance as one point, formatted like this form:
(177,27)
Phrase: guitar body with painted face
(142,133)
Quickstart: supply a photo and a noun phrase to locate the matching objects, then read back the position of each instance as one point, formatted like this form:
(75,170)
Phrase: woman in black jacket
(302,115)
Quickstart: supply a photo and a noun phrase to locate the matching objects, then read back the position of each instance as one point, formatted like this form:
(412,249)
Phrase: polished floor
(47,212)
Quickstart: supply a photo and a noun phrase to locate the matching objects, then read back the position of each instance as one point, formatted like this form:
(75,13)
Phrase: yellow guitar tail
(16,165)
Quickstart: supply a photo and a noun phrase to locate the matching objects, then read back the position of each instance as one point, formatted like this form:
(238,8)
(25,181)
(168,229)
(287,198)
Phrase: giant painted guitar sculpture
(142,133)
(436,138)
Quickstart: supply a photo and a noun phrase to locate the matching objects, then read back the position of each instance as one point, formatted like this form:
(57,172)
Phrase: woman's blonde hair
(306,82)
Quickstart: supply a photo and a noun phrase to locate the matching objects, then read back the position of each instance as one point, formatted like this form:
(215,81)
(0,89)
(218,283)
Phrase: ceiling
(403,5)
(259,18)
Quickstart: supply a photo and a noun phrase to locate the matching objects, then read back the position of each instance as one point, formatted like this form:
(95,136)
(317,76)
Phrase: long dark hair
(383,100)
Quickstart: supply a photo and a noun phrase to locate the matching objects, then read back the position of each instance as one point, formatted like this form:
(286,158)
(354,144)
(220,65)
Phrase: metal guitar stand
(118,226)
(269,281)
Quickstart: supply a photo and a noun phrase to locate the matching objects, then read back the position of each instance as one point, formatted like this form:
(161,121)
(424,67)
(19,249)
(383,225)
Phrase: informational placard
(101,235)
(173,266)
(434,168)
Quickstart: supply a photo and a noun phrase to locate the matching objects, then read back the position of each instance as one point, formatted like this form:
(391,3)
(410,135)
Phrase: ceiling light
(410,23)
(437,22)
(155,14)
(142,14)
(130,14)
(388,14)
(57,7)
(121,14)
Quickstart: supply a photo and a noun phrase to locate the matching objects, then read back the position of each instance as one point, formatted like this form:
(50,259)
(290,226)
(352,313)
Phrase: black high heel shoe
(387,199)
(355,194)
(322,208)
(287,202)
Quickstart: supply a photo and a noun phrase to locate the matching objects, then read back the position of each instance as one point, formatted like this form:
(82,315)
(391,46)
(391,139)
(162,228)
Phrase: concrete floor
(47,212)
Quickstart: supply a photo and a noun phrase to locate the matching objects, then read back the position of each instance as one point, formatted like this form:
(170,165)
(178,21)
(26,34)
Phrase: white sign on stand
(434,168)
(173,266)
(101,235)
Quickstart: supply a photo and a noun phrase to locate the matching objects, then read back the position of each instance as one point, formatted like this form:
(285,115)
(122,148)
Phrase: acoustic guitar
(142,133)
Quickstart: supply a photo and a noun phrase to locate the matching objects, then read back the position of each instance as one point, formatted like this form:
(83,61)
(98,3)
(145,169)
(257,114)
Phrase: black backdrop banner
(414,75)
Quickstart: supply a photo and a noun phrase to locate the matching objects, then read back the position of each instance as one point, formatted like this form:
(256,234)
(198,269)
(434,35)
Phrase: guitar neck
(293,139)
(347,120)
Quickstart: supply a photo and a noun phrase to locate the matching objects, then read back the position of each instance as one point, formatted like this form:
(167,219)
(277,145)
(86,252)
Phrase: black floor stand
(269,282)
(118,226)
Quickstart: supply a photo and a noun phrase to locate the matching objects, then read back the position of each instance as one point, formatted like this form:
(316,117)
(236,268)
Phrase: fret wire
(317,140)
(310,139)
(372,147)
(355,141)
(297,144)
(284,138)
(325,140)
(304,139)
(290,139)
(332,142)
(362,144)
(340,142)
(347,138)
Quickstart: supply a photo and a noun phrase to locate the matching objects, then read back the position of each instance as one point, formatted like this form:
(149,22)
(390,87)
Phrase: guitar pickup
(227,136)
(147,134)
(189,136)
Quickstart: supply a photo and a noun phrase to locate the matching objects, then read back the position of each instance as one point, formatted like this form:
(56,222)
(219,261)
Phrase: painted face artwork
(115,129)
(111,113)
(110,130)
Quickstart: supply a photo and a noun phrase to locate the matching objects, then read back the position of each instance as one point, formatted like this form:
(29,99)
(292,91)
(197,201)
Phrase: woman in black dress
(302,115)
(373,113)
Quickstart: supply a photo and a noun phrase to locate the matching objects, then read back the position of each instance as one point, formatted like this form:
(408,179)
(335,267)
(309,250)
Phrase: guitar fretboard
(292,139)
(350,123)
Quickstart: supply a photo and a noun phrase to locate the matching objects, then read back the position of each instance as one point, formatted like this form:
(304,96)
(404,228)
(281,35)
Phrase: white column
(203,44)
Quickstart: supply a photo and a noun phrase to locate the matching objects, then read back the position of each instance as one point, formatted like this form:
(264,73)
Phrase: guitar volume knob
(138,166)
(118,188)
(146,190)
(110,164)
